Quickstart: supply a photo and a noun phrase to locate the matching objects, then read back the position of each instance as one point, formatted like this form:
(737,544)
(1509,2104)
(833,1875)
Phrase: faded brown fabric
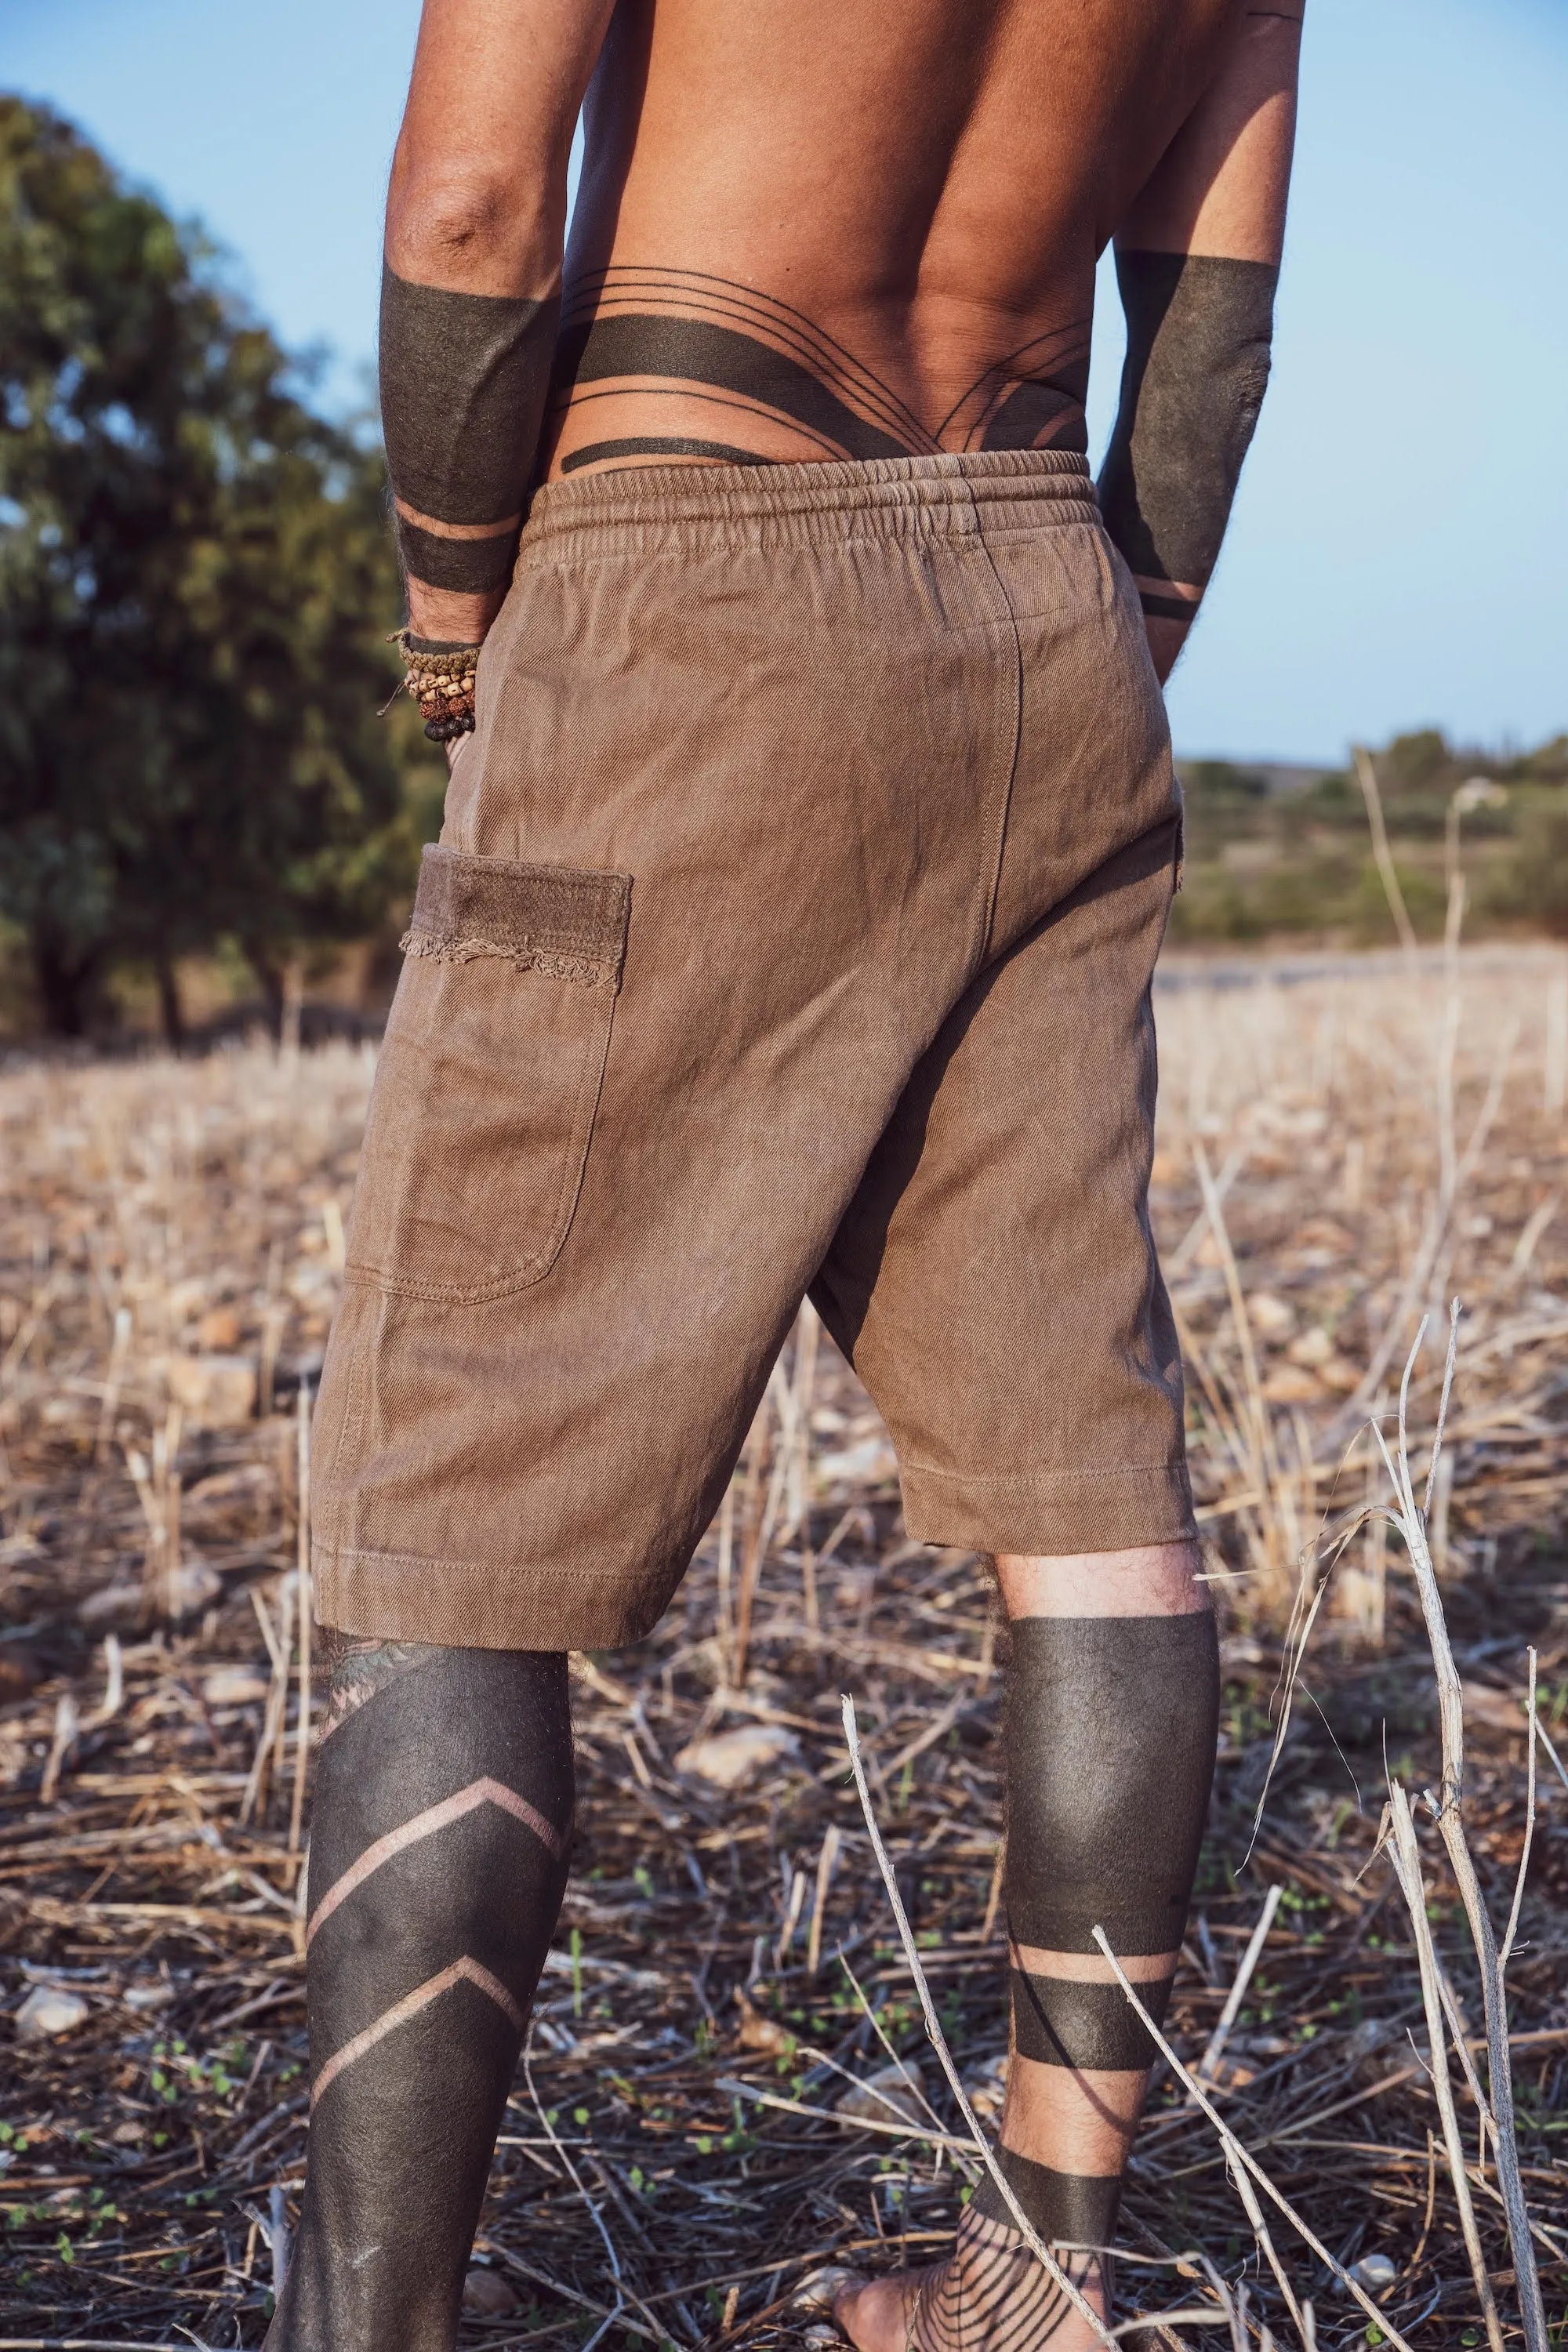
(791,928)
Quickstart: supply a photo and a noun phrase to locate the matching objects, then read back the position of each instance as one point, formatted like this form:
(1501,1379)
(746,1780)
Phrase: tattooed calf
(438,1859)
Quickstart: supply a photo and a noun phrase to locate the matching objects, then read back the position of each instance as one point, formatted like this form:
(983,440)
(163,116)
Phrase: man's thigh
(994,1279)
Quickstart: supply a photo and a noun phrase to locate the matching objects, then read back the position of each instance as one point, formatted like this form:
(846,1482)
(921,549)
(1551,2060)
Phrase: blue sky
(1399,555)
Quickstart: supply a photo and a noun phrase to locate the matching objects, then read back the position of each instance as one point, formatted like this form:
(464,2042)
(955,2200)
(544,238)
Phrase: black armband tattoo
(463,384)
(1198,331)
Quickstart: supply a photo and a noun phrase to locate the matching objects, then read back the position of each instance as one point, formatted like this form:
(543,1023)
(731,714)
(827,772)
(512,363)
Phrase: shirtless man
(810,840)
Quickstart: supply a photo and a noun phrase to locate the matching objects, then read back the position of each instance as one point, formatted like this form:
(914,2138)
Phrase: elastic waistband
(632,508)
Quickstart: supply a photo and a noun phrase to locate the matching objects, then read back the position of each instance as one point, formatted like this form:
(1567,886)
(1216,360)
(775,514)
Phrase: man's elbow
(476,229)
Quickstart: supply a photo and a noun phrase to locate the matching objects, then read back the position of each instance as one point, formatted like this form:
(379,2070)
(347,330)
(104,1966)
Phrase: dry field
(1338,1157)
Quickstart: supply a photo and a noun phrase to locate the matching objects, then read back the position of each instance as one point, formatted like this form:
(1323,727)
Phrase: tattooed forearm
(463,385)
(1198,331)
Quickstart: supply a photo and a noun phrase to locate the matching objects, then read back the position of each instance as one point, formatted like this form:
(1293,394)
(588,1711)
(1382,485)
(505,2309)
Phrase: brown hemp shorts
(791,928)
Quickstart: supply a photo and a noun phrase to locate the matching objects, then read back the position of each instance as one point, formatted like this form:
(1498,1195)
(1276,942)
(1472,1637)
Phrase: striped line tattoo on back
(690,337)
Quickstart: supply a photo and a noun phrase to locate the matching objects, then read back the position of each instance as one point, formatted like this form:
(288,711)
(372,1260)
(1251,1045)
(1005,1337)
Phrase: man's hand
(1197,260)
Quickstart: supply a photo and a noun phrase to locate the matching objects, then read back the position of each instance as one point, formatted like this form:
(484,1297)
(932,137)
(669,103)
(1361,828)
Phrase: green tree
(195,585)
(1413,762)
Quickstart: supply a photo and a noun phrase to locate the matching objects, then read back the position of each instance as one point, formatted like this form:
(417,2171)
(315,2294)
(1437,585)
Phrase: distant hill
(1283,846)
(1278,775)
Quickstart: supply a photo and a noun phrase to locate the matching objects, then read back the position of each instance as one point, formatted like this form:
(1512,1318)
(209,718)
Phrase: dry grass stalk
(1241,2164)
(1366,776)
(1449,1811)
(1216,2043)
(1405,1856)
(1529,1820)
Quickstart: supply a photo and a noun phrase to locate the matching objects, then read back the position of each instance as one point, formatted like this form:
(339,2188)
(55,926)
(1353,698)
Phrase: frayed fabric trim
(583,972)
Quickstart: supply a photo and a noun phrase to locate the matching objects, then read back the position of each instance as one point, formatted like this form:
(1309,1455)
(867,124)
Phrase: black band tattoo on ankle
(1063,2021)
(690,337)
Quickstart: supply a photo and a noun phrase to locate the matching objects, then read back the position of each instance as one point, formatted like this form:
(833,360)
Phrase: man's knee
(1147,1580)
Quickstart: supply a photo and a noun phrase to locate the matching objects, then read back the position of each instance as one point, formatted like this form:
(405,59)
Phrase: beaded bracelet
(440,678)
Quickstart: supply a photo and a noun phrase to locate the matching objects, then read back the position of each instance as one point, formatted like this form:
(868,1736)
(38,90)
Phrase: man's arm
(1197,260)
(475,219)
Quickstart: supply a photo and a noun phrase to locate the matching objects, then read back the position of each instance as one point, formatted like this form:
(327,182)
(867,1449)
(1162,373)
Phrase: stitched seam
(353,1420)
(532,1269)
(1046,1477)
(563,1580)
(572,563)
(991,884)
(535,1268)
(575,1166)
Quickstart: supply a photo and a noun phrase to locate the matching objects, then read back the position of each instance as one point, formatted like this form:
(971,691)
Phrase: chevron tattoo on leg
(438,1859)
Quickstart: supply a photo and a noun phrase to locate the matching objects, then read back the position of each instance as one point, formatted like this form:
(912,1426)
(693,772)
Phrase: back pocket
(489,1077)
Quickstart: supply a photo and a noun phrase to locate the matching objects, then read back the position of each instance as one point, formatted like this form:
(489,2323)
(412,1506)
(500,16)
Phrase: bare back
(806,230)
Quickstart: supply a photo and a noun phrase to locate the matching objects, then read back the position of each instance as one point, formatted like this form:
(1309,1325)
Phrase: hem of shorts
(1047,1513)
(465,1604)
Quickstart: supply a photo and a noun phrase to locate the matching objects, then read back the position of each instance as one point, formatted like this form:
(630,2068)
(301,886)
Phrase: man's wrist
(1166,638)
(449,617)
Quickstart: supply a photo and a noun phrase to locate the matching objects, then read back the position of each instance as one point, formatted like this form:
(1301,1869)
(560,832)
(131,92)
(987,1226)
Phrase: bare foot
(877,2315)
(992,2296)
